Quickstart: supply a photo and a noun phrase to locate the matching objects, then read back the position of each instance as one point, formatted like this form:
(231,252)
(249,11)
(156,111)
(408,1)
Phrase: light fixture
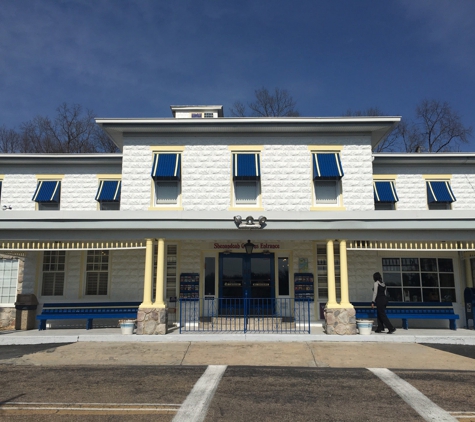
(250,222)
(249,247)
(266,252)
(226,252)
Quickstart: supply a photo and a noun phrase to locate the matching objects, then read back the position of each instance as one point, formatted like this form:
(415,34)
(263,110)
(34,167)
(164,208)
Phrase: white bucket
(127,327)
(364,327)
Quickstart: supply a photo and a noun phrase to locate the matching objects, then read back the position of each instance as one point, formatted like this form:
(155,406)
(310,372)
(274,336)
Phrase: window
(166,192)
(53,273)
(210,276)
(283,265)
(8,280)
(108,195)
(327,174)
(208,115)
(166,173)
(171,253)
(97,273)
(385,196)
(327,192)
(322,271)
(439,195)
(419,279)
(48,195)
(246,179)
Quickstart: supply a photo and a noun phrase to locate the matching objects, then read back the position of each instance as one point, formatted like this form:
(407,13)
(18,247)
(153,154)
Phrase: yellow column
(345,296)
(331,276)
(468,272)
(147,282)
(159,302)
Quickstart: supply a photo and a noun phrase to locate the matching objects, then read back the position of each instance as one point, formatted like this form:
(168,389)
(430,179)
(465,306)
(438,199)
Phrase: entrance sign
(236,245)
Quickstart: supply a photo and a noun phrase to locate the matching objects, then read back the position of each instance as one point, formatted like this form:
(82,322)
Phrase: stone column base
(151,321)
(340,321)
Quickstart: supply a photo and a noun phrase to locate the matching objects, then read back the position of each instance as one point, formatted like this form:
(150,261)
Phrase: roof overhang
(376,127)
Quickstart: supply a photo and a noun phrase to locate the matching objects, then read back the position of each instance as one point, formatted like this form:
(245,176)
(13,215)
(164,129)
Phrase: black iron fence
(219,315)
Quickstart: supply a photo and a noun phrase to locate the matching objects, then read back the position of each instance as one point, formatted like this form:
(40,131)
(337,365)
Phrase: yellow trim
(109,176)
(169,148)
(447,177)
(49,176)
(148,275)
(326,148)
(256,208)
(250,148)
(2,176)
(165,208)
(160,280)
(327,208)
(388,177)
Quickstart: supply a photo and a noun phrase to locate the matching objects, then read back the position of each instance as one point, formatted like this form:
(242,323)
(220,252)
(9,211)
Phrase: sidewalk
(430,336)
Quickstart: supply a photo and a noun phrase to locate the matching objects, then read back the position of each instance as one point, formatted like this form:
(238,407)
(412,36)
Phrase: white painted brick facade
(286,168)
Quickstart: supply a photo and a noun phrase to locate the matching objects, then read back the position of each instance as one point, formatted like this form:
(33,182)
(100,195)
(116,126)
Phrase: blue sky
(135,59)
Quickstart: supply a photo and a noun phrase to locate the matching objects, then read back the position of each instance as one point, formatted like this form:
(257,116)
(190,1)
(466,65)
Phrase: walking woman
(380,300)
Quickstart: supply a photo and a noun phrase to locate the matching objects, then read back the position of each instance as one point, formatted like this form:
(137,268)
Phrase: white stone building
(175,203)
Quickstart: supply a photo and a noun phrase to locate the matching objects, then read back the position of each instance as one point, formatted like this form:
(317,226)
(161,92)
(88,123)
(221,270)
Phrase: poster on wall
(303,265)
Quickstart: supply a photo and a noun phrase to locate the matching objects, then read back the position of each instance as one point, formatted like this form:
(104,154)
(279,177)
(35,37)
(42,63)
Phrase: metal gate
(246,315)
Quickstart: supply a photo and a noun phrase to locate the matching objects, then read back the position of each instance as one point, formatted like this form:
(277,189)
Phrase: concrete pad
(115,353)
(388,355)
(246,353)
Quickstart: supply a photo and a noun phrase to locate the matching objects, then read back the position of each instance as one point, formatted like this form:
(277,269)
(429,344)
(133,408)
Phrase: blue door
(248,276)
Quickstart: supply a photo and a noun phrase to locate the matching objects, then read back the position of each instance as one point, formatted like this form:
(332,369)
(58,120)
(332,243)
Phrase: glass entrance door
(243,275)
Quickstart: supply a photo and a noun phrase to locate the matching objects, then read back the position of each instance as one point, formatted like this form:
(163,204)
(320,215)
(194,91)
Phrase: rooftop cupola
(197,111)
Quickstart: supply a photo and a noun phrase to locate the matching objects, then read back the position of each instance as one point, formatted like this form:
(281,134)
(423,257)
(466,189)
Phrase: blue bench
(88,311)
(410,310)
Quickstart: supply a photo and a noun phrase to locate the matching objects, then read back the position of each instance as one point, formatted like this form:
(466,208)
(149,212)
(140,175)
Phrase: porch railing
(248,315)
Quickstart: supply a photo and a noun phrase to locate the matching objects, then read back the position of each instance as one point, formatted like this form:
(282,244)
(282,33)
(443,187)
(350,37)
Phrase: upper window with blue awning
(166,166)
(246,166)
(47,191)
(327,166)
(439,191)
(109,190)
(385,191)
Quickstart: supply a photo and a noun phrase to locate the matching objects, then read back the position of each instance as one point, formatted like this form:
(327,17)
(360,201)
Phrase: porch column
(331,303)
(345,297)
(339,318)
(159,302)
(152,318)
(147,282)
(468,271)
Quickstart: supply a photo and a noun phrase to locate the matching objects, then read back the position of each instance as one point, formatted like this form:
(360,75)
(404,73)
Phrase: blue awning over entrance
(327,165)
(109,190)
(384,191)
(440,192)
(47,191)
(166,166)
(246,166)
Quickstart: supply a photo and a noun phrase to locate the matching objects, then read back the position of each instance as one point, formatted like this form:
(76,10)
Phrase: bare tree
(276,104)
(9,140)
(439,128)
(71,131)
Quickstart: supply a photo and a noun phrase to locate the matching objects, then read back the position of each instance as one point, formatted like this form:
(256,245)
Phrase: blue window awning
(47,191)
(246,167)
(327,166)
(109,190)
(440,192)
(384,191)
(166,166)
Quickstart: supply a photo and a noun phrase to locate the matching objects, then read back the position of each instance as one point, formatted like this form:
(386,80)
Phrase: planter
(127,326)
(364,326)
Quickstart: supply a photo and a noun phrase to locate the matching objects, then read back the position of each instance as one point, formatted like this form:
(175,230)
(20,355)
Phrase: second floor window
(327,174)
(166,173)
(439,195)
(48,195)
(385,196)
(246,179)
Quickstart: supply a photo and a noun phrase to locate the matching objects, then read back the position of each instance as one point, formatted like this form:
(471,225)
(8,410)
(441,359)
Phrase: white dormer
(197,111)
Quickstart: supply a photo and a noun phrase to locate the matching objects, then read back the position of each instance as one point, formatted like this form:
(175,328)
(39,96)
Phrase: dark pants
(383,320)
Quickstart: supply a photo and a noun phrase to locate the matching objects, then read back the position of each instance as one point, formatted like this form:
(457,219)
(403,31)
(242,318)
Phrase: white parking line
(195,407)
(413,397)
